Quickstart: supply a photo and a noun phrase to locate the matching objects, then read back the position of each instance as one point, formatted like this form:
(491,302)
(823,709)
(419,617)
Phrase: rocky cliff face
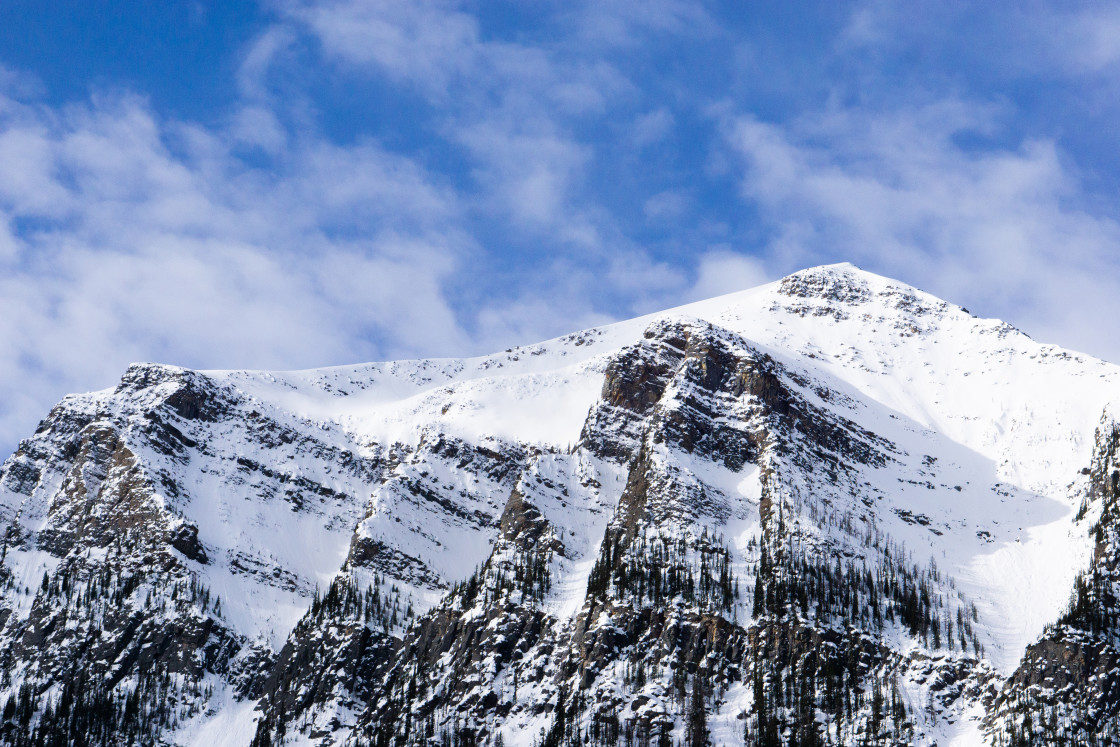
(804,514)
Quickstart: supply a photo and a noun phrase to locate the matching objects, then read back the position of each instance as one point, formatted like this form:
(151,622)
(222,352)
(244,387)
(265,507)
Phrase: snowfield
(981,439)
(1008,420)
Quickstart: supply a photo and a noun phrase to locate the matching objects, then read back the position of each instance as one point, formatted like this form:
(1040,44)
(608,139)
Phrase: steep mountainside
(828,510)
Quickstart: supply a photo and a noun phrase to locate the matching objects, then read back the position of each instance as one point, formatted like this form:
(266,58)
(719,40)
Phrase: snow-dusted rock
(832,505)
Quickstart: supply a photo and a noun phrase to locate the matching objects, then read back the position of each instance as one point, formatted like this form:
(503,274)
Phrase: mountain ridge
(738,456)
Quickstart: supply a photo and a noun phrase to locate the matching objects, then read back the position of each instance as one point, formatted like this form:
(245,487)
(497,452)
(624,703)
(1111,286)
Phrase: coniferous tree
(697,729)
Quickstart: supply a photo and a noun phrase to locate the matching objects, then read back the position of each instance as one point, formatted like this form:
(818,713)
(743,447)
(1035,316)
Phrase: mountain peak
(841,268)
(694,494)
(842,282)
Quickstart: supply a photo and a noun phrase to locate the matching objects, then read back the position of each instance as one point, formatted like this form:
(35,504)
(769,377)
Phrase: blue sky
(294,183)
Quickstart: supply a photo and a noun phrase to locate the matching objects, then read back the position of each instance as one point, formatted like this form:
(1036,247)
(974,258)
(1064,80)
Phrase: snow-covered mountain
(831,509)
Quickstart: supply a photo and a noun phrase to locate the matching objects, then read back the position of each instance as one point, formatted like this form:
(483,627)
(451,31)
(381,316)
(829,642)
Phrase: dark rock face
(1056,665)
(188,393)
(525,528)
(333,659)
(366,552)
(709,378)
(839,287)
(184,538)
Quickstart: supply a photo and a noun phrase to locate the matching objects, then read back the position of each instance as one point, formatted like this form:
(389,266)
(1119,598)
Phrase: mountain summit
(832,509)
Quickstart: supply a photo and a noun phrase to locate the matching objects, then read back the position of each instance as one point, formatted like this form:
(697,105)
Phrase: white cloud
(147,239)
(568,295)
(424,42)
(529,176)
(622,22)
(18,83)
(666,206)
(721,270)
(1001,231)
(514,106)
(1037,41)
(533,317)
(1088,39)
(256,64)
(258,126)
(28,182)
(652,127)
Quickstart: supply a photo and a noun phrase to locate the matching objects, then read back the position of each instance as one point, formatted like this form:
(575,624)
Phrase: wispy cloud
(514,106)
(130,237)
(427,43)
(1086,38)
(1006,230)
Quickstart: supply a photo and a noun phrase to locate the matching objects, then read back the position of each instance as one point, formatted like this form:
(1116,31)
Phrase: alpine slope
(832,509)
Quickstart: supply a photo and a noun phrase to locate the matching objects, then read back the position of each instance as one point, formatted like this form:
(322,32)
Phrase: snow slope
(1009,420)
(979,436)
